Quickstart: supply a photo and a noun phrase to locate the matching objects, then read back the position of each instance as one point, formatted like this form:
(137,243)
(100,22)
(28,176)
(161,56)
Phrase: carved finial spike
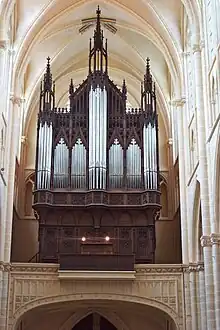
(124,88)
(71,87)
(148,66)
(98,11)
(48,77)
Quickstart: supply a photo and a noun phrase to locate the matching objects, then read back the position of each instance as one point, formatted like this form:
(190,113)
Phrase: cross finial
(148,77)
(71,87)
(48,76)
(98,11)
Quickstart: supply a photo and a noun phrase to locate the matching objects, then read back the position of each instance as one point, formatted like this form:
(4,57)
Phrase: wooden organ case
(97,171)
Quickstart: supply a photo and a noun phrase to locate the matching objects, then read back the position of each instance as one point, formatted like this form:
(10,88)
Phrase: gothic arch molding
(110,316)
(177,319)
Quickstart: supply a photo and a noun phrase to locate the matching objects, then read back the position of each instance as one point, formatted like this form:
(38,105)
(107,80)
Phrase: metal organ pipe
(61,160)
(150,156)
(133,165)
(116,165)
(97,138)
(78,166)
(44,156)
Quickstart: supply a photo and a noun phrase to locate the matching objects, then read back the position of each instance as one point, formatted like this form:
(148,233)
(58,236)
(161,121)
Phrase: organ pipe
(97,138)
(61,163)
(116,165)
(44,155)
(134,165)
(93,126)
(150,156)
(78,166)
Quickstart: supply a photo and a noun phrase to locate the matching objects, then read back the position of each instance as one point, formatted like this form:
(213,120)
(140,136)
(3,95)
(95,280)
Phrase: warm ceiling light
(83,239)
(107,238)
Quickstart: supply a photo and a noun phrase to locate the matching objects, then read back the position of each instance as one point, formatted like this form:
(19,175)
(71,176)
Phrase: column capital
(24,139)
(215,239)
(193,267)
(179,103)
(5,266)
(16,100)
(205,241)
(197,48)
(11,51)
(186,54)
(170,142)
(200,266)
(3,44)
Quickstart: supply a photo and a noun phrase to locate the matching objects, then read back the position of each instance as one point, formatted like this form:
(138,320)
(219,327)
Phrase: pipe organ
(97,171)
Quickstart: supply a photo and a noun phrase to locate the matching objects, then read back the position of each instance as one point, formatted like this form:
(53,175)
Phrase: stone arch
(164,196)
(28,198)
(78,316)
(15,319)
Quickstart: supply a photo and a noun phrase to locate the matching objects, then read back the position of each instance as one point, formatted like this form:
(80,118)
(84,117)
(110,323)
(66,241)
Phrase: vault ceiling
(144,28)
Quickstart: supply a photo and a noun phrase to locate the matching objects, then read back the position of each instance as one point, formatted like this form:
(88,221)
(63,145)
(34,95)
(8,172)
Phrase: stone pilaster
(182,176)
(21,179)
(187,298)
(12,145)
(204,189)
(209,282)
(4,281)
(202,297)
(194,294)
(215,241)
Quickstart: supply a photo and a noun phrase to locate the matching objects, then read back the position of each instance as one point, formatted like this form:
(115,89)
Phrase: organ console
(97,171)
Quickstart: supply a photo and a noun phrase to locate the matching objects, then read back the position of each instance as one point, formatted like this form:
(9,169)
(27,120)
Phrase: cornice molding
(39,268)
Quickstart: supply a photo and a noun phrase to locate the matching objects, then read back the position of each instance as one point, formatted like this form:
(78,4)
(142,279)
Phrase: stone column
(209,282)
(193,295)
(215,241)
(170,177)
(182,176)
(187,298)
(202,297)
(183,208)
(21,178)
(204,189)
(4,277)
(14,136)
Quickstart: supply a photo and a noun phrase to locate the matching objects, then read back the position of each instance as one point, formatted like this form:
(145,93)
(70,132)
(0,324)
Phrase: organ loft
(97,171)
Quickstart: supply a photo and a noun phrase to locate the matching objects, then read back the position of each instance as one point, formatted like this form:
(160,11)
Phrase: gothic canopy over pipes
(97,170)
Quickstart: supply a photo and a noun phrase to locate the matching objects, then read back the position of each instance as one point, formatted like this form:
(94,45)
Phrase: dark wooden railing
(97,262)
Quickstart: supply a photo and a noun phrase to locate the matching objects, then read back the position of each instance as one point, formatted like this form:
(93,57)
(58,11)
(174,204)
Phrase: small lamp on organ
(107,238)
(83,239)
